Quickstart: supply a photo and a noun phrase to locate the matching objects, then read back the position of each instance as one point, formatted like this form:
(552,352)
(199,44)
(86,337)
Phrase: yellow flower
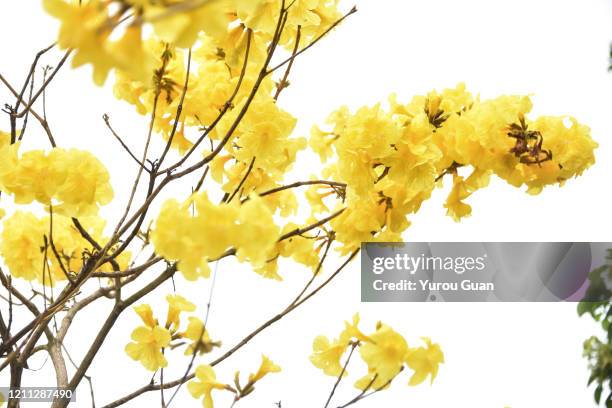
(146,315)
(130,48)
(572,148)
(204,384)
(22,245)
(147,345)
(266,367)
(321,142)
(5,139)
(312,16)
(462,189)
(384,355)
(176,305)
(256,233)
(424,361)
(199,335)
(269,270)
(85,183)
(315,195)
(83,28)
(182,29)
(264,133)
(193,238)
(351,331)
(327,354)
(300,249)
(76,182)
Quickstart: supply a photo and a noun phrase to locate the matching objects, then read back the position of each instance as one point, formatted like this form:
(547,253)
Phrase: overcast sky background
(518,355)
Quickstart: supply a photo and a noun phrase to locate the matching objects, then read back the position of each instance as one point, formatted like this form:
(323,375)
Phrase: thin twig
(341,376)
(44,85)
(39,118)
(239,186)
(106,119)
(316,40)
(283,83)
(177,117)
(226,107)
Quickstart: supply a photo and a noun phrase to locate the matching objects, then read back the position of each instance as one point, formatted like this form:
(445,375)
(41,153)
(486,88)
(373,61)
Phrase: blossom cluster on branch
(393,158)
(209,75)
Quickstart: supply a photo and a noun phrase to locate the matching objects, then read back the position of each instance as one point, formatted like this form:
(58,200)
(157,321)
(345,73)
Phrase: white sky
(520,355)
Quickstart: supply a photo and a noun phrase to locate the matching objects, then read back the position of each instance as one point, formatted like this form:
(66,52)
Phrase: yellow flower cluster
(262,135)
(26,245)
(313,17)
(76,183)
(90,28)
(150,339)
(393,158)
(206,382)
(262,140)
(210,86)
(87,27)
(196,231)
(219,33)
(299,248)
(385,352)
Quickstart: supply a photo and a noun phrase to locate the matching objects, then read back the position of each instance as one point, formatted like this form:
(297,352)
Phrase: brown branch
(202,178)
(246,175)
(25,119)
(284,81)
(118,308)
(31,72)
(179,110)
(303,183)
(44,85)
(106,119)
(54,249)
(40,119)
(129,272)
(226,107)
(364,394)
(292,233)
(330,240)
(300,231)
(316,40)
(337,383)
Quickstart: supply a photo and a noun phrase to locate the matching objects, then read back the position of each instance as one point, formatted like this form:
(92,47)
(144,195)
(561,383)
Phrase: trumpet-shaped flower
(198,334)
(424,361)
(147,346)
(193,238)
(204,384)
(76,182)
(176,305)
(266,367)
(384,355)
